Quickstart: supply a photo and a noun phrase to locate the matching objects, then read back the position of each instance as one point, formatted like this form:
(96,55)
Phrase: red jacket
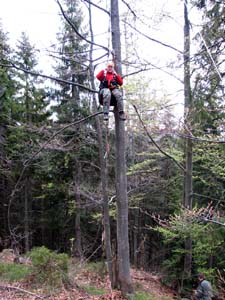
(110,77)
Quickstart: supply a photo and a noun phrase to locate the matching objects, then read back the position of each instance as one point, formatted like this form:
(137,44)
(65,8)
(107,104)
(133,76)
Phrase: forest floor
(88,282)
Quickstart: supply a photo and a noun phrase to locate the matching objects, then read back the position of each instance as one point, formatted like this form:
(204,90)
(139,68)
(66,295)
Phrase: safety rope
(109,29)
(107,145)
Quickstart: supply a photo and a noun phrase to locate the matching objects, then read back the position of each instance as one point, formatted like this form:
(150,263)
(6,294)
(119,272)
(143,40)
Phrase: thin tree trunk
(121,178)
(104,175)
(188,111)
(188,146)
(26,215)
(136,235)
(78,245)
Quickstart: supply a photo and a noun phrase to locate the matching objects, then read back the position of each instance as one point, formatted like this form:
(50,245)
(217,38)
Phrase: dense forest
(147,192)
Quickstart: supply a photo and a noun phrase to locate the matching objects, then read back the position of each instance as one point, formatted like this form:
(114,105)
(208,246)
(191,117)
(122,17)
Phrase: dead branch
(10,287)
(99,7)
(130,9)
(27,163)
(76,31)
(152,39)
(12,65)
(154,142)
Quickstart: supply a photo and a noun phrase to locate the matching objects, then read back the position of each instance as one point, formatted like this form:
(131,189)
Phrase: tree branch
(155,67)
(133,13)
(156,145)
(10,287)
(76,31)
(153,40)
(27,163)
(99,7)
(12,65)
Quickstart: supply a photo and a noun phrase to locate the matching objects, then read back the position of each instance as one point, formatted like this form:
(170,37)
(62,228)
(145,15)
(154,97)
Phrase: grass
(146,296)
(143,296)
(92,290)
(98,268)
(14,272)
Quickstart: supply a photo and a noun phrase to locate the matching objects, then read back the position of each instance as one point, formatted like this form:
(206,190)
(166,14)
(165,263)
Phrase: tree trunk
(187,201)
(103,168)
(187,111)
(26,214)
(121,178)
(78,246)
(136,236)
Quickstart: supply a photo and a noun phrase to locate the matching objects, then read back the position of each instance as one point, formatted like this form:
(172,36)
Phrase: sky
(40,20)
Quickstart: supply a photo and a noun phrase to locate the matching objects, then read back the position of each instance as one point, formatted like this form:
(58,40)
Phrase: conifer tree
(208,93)
(6,92)
(70,64)
(28,112)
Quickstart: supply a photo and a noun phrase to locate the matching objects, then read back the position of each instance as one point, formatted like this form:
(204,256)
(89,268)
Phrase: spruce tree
(6,93)
(208,93)
(28,113)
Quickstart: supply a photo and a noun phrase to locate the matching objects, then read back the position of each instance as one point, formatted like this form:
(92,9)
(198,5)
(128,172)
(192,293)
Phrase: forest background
(54,144)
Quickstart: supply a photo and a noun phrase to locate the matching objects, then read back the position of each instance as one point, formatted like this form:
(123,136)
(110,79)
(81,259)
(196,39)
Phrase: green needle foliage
(50,268)
(207,241)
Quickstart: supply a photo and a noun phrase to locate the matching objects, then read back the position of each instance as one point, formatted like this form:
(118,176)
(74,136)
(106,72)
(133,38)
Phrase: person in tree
(109,88)
(204,289)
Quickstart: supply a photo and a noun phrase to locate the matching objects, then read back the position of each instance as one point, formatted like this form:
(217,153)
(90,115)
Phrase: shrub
(14,272)
(49,267)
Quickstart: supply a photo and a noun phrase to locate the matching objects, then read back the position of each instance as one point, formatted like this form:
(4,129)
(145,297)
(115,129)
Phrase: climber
(109,88)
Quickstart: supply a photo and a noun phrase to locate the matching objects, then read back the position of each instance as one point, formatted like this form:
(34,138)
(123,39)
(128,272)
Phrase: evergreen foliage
(207,242)
(50,186)
(50,268)
(14,272)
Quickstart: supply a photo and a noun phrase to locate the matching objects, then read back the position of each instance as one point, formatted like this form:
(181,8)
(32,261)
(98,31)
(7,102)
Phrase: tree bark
(103,173)
(187,201)
(121,178)
(136,236)
(78,245)
(26,215)
(187,111)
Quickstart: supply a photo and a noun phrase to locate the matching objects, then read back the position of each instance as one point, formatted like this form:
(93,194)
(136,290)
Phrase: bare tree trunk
(187,201)
(78,246)
(104,175)
(136,235)
(188,111)
(26,215)
(121,178)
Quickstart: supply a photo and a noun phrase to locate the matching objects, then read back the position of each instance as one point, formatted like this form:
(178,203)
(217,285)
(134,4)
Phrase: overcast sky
(40,20)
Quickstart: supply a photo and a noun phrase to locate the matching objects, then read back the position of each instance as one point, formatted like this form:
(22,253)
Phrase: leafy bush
(14,272)
(49,267)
